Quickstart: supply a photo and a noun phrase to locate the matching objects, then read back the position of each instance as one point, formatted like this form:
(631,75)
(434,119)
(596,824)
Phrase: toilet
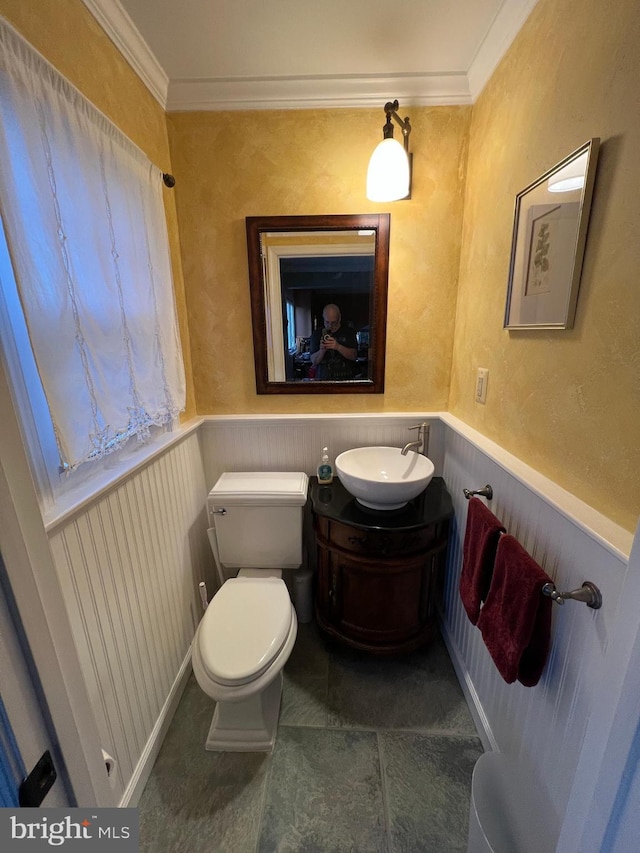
(249,628)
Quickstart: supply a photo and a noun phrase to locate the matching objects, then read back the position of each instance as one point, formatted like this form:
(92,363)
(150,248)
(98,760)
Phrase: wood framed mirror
(319,302)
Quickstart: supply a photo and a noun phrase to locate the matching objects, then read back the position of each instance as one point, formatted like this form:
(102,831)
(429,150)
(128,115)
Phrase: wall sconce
(389,173)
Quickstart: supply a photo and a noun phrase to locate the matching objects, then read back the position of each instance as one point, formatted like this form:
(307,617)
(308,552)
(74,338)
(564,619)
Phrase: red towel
(479,551)
(516,618)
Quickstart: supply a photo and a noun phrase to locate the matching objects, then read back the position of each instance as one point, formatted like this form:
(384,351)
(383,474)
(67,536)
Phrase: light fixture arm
(390,109)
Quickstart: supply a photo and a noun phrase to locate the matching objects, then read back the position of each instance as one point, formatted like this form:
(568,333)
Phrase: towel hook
(485,492)
(588,593)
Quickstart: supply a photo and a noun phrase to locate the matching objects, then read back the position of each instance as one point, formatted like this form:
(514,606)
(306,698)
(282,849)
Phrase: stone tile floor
(373,755)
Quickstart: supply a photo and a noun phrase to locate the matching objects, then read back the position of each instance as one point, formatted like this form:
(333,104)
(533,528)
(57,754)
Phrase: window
(87,313)
(291,327)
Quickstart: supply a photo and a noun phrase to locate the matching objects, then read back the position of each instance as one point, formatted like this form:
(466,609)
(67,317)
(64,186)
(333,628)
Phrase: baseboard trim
(150,752)
(485,733)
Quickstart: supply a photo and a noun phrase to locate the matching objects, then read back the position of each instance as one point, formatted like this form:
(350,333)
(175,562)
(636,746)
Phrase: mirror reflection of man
(333,348)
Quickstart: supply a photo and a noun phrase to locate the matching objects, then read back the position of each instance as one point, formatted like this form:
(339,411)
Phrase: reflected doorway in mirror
(299,266)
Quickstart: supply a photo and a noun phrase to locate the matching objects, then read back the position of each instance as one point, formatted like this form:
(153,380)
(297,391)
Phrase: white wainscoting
(294,443)
(543,726)
(130,560)
(129,565)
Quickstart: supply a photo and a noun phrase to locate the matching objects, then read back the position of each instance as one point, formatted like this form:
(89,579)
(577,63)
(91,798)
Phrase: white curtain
(84,218)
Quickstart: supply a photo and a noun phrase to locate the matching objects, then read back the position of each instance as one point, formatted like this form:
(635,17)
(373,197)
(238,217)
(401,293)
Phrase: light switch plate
(482,378)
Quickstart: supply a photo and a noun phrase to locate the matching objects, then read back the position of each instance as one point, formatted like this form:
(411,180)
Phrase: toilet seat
(244,628)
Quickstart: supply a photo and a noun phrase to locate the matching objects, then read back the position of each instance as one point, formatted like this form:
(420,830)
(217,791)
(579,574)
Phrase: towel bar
(485,492)
(588,593)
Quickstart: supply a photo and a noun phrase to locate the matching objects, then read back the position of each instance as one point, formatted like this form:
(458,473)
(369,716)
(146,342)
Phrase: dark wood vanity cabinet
(379,574)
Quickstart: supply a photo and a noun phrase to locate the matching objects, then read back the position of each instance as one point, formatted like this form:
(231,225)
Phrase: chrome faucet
(417,445)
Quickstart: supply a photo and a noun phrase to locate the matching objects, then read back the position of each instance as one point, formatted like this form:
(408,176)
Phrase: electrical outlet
(482,378)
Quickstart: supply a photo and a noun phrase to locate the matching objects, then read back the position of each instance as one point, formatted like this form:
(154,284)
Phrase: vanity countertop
(335,502)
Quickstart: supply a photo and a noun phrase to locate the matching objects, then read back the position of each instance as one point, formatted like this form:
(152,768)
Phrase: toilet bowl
(242,643)
(249,628)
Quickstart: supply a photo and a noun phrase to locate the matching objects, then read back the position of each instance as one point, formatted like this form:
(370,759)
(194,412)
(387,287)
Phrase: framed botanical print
(549,236)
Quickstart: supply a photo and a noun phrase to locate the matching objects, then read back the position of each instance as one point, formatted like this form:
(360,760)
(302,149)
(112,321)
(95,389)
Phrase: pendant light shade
(389,173)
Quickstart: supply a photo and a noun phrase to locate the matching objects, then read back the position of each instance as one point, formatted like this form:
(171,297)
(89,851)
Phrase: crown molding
(318,92)
(124,34)
(505,27)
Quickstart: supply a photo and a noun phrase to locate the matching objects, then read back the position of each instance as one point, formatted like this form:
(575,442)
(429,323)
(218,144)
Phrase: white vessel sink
(381,477)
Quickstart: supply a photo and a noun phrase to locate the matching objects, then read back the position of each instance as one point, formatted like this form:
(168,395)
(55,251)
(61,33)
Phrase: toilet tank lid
(257,488)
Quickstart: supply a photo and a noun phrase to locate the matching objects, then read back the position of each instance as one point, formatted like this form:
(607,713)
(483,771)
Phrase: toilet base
(249,725)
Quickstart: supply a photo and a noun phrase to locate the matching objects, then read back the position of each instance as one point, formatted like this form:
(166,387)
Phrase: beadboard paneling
(253,443)
(543,726)
(129,565)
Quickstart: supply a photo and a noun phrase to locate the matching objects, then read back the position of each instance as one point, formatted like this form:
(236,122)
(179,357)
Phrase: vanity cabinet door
(383,605)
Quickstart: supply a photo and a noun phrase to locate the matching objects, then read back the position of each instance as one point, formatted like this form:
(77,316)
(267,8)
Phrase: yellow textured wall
(566,402)
(270,163)
(68,36)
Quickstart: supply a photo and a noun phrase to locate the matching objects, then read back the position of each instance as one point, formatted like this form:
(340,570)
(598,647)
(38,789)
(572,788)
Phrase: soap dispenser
(325,469)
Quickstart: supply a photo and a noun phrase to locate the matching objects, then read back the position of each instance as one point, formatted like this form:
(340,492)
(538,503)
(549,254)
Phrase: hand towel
(516,618)
(480,541)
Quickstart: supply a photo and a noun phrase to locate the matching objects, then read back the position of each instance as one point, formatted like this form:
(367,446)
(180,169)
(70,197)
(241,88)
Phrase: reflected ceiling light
(389,173)
(571,177)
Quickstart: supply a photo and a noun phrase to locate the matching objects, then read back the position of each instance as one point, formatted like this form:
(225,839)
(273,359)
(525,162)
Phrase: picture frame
(549,236)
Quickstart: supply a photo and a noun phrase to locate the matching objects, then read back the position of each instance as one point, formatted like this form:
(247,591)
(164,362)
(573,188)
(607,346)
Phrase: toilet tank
(261,526)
